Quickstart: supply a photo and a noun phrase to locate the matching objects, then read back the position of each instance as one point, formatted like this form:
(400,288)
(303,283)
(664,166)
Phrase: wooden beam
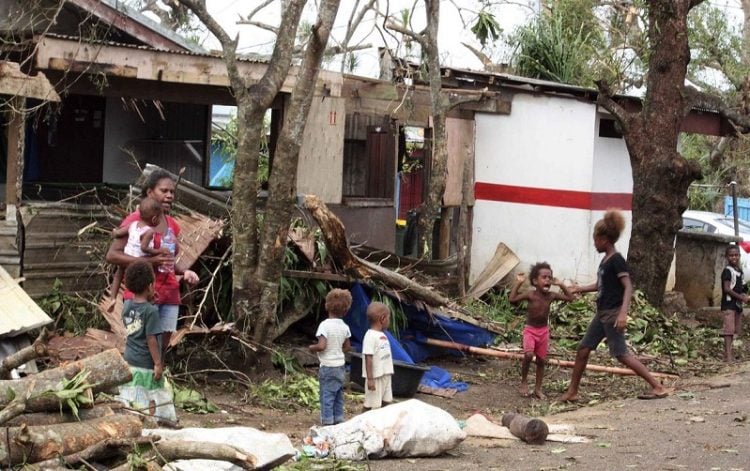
(56,54)
(16,131)
(13,82)
(311,275)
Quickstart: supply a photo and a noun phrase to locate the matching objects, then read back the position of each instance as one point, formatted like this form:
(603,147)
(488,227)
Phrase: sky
(452,31)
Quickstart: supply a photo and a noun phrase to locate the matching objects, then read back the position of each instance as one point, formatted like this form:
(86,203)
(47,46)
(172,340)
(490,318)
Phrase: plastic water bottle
(169,241)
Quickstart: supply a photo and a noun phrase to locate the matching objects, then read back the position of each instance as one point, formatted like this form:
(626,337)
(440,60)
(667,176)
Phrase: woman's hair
(138,276)
(153,179)
(610,226)
(338,302)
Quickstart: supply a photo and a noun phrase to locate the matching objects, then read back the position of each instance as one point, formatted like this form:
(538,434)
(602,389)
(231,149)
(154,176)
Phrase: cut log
(334,234)
(36,350)
(51,418)
(106,370)
(13,409)
(44,442)
(519,356)
(502,263)
(179,449)
(32,391)
(531,430)
(107,448)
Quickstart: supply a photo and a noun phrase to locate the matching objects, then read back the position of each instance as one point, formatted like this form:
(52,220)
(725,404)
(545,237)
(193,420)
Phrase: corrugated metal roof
(154,26)
(18,312)
(252,58)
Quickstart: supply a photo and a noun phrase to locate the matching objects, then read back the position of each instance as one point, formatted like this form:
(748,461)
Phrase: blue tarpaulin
(420,325)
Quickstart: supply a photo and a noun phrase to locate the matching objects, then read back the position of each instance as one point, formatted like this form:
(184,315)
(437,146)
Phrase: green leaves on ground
(296,390)
(72,392)
(191,400)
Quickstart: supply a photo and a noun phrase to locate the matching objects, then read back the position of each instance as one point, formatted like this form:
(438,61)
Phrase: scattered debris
(480,426)
(529,429)
(502,263)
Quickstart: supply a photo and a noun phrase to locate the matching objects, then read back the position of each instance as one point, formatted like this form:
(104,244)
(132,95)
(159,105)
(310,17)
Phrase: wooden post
(15,134)
(446,219)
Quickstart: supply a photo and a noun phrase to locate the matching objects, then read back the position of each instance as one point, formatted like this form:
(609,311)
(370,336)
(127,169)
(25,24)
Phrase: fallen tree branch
(334,234)
(57,417)
(106,448)
(180,449)
(519,356)
(36,350)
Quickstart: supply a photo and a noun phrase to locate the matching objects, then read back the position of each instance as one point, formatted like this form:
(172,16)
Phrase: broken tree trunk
(36,350)
(334,234)
(106,370)
(39,443)
(519,356)
(50,418)
(172,450)
(529,429)
(37,395)
(104,449)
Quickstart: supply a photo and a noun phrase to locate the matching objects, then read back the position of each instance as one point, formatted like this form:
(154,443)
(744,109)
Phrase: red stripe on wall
(548,197)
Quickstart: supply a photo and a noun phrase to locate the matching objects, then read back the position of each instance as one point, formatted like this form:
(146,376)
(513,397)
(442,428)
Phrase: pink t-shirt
(167,289)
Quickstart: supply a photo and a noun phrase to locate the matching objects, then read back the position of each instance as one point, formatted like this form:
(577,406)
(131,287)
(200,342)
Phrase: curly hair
(535,269)
(731,247)
(153,179)
(610,226)
(338,302)
(138,276)
(375,310)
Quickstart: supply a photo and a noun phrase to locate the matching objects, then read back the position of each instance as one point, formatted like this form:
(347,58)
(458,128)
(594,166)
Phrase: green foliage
(75,313)
(193,401)
(559,46)
(705,195)
(494,306)
(71,392)
(226,139)
(286,362)
(716,44)
(297,390)
(316,464)
(486,27)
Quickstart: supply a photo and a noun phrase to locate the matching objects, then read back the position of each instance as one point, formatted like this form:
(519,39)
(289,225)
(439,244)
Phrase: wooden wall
(321,154)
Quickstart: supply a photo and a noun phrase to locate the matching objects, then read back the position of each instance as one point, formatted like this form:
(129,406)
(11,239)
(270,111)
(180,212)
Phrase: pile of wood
(53,419)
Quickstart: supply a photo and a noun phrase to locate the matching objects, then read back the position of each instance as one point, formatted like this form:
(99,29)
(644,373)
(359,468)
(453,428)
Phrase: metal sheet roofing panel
(18,312)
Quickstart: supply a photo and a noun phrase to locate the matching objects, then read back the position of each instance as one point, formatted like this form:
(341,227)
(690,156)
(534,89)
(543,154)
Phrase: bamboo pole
(519,356)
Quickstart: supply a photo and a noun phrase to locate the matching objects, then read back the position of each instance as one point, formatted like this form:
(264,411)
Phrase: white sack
(410,428)
(271,449)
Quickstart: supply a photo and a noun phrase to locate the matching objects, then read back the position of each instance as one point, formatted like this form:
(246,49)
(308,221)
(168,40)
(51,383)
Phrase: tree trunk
(106,370)
(40,443)
(104,449)
(438,169)
(50,418)
(661,176)
(173,450)
(283,179)
(35,350)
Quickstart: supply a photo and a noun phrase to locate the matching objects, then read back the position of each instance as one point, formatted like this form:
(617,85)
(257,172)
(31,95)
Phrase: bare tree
(253,99)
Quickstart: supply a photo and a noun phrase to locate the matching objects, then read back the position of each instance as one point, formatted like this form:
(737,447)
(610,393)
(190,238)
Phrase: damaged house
(136,93)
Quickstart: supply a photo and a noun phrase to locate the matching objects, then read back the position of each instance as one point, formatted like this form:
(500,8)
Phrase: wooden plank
(15,83)
(311,275)
(502,262)
(164,66)
(321,155)
(15,132)
(57,63)
(460,147)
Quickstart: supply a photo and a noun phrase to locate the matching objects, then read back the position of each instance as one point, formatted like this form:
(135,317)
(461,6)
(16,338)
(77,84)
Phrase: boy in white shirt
(333,340)
(377,362)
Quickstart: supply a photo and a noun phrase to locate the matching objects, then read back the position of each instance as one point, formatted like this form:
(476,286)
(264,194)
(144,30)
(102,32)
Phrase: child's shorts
(536,339)
(383,392)
(732,323)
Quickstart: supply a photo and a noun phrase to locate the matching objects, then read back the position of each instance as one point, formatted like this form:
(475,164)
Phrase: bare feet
(569,397)
(539,394)
(523,390)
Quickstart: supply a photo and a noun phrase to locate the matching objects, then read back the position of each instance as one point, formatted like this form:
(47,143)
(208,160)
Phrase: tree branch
(605,100)
(406,32)
(260,25)
(458,99)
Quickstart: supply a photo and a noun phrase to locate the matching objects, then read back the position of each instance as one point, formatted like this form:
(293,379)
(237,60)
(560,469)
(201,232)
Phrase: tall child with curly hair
(333,341)
(614,290)
(536,330)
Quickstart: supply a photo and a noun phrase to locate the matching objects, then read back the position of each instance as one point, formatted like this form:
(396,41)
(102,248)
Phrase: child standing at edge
(614,290)
(536,330)
(733,296)
(146,391)
(377,363)
(333,340)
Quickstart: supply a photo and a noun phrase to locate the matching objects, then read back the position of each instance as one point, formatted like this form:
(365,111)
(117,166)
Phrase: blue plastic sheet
(411,348)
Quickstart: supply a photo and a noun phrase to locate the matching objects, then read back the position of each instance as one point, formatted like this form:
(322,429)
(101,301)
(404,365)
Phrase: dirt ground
(700,427)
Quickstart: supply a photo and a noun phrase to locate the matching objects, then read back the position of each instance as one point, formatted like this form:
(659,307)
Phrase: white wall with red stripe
(543,177)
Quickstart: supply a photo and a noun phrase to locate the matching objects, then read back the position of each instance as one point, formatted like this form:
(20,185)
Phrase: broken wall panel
(56,247)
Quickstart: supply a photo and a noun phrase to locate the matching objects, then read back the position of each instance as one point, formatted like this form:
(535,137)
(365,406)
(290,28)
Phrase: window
(609,128)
